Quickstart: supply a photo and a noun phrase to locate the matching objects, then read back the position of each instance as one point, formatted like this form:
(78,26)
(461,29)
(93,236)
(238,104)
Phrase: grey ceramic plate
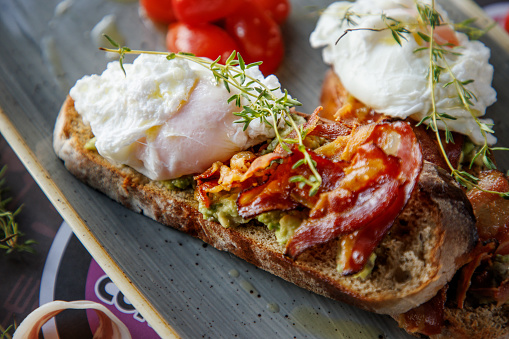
(182,287)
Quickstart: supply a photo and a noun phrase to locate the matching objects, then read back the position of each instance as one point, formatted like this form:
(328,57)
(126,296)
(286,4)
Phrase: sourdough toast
(474,320)
(421,253)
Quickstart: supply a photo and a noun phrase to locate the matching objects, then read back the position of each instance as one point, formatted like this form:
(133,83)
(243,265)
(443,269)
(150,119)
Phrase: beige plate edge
(57,198)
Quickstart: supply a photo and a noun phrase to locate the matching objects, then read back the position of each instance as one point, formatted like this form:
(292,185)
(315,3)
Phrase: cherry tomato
(506,22)
(204,40)
(276,9)
(201,11)
(159,10)
(258,36)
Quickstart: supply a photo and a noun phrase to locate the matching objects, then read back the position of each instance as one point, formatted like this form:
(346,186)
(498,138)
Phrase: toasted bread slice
(482,321)
(479,321)
(485,321)
(422,251)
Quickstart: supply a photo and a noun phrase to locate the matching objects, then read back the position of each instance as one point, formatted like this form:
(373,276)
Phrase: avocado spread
(90,145)
(181,183)
(283,223)
(368,267)
(223,209)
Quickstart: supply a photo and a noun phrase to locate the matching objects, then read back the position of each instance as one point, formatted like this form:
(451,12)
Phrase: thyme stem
(462,177)
(263,102)
(9,231)
(429,20)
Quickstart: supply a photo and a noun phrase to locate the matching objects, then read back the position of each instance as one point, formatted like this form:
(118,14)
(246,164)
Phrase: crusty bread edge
(133,190)
(484,321)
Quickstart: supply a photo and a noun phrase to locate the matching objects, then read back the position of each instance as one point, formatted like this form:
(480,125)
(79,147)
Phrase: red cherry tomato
(204,40)
(201,11)
(159,10)
(258,36)
(506,22)
(276,9)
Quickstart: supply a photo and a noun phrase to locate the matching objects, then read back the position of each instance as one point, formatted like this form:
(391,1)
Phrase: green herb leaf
(9,229)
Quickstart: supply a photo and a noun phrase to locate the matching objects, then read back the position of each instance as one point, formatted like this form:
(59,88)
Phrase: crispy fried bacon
(428,318)
(368,175)
(384,166)
(481,252)
(359,199)
(278,193)
(363,242)
(364,189)
(331,131)
(477,277)
(492,213)
(500,293)
(491,210)
(262,163)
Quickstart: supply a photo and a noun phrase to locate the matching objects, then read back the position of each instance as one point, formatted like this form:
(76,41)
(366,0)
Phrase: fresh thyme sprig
(398,29)
(263,104)
(348,17)
(4,334)
(431,19)
(9,230)
(122,50)
(471,31)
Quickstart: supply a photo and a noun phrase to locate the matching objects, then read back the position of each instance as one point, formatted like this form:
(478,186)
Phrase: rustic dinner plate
(181,286)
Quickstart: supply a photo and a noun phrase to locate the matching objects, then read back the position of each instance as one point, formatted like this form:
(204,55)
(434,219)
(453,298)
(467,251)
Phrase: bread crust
(437,223)
(486,321)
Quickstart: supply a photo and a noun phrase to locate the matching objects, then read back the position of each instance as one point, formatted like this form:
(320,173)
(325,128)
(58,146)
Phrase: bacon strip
(343,211)
(331,131)
(262,163)
(428,318)
(492,213)
(278,193)
(211,172)
(364,241)
(273,195)
(480,253)
(363,193)
(371,209)
(500,294)
(491,210)
(202,189)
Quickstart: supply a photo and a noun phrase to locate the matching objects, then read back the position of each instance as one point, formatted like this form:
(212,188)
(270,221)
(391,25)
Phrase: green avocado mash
(223,209)
(468,153)
(90,145)
(287,226)
(368,267)
(270,219)
(283,223)
(181,183)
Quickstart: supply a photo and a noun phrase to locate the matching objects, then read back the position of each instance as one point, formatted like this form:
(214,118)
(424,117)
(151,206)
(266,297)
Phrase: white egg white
(165,118)
(392,78)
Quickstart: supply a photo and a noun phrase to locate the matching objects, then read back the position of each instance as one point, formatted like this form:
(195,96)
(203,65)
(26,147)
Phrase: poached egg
(165,118)
(392,79)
